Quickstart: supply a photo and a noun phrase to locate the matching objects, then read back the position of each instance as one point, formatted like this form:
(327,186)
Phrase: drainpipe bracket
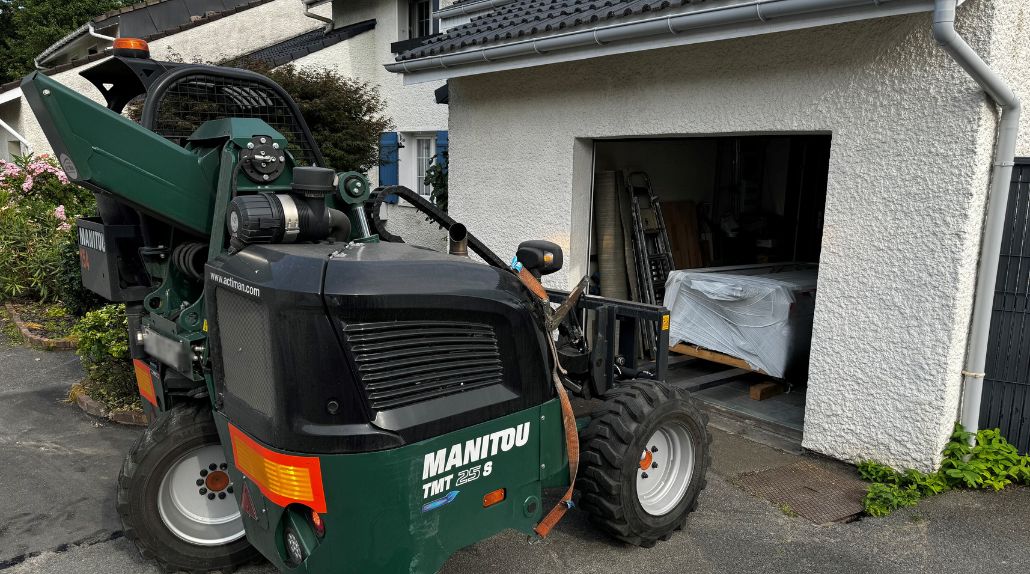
(973,375)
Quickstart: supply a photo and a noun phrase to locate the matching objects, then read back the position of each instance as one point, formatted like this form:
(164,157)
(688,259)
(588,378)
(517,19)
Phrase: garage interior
(741,220)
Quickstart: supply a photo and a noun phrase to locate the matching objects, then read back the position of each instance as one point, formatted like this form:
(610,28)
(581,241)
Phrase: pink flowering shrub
(38,207)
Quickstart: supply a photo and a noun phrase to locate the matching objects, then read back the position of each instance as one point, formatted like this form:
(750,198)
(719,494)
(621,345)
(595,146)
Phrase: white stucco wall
(912,143)
(1010,53)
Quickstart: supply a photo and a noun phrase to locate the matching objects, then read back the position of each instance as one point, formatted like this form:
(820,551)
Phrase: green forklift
(321,393)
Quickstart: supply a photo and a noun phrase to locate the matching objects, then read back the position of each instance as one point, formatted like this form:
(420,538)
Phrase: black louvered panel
(401,363)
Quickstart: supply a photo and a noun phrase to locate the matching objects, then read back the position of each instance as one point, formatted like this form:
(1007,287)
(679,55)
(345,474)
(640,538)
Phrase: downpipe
(990,248)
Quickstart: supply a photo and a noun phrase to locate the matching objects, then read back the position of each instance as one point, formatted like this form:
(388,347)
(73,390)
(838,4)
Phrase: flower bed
(48,326)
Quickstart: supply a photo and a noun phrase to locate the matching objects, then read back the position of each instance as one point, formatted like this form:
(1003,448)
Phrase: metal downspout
(1001,177)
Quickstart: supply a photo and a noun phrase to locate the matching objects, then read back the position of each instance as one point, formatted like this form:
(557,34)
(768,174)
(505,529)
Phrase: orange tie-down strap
(544,527)
(572,447)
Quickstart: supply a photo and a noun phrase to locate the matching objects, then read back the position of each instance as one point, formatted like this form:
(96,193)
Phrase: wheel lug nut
(223,466)
(203,491)
(229,490)
(654,465)
(200,482)
(212,466)
(210,496)
(654,449)
(221,495)
(203,472)
(643,475)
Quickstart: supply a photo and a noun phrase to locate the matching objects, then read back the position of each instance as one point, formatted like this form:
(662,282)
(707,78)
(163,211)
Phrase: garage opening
(726,232)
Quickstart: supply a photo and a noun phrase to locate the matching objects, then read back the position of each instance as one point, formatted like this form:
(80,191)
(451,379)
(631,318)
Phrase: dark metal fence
(1006,398)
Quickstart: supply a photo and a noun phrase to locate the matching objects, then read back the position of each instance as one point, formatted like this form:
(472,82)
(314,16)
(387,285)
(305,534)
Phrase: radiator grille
(401,363)
(246,350)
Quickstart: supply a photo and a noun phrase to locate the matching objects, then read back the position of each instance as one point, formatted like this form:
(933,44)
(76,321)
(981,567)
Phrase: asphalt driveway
(58,468)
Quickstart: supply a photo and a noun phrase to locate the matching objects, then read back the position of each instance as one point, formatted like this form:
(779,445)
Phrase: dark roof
(535,18)
(162,16)
(307,43)
(157,18)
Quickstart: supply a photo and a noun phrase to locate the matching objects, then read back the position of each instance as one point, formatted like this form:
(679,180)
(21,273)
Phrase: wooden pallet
(714,356)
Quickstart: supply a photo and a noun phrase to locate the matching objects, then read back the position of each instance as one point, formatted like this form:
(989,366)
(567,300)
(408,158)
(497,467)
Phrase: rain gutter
(1001,177)
(466,8)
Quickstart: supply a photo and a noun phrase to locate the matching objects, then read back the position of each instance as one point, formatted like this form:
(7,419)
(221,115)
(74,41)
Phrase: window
(423,159)
(420,20)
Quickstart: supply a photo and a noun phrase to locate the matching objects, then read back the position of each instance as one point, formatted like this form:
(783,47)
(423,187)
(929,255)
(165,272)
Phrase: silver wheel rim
(665,469)
(192,515)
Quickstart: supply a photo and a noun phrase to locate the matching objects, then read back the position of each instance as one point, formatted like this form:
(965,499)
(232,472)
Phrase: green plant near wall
(983,461)
(436,178)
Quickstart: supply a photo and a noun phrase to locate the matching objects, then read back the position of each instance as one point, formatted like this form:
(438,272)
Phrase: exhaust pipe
(458,240)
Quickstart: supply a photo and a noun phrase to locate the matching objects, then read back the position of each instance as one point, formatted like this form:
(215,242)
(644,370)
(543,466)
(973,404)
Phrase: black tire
(172,434)
(612,445)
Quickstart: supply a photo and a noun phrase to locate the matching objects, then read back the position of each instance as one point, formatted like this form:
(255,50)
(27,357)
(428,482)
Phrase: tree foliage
(27,27)
(345,115)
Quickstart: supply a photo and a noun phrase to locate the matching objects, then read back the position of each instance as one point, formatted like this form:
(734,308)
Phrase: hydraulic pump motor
(301,215)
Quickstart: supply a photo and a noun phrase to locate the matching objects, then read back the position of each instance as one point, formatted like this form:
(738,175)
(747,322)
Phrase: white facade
(912,144)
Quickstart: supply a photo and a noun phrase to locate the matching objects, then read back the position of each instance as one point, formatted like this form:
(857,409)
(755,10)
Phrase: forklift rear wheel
(175,498)
(643,464)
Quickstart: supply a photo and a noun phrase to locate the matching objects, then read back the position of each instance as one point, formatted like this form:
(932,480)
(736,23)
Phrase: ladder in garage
(652,251)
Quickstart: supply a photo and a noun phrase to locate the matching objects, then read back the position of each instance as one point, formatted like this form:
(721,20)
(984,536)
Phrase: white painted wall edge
(10,95)
(18,136)
(784,24)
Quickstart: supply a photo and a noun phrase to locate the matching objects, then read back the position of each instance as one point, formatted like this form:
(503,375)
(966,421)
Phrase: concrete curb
(66,344)
(93,407)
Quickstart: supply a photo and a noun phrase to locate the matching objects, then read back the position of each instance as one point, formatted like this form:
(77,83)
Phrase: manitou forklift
(321,393)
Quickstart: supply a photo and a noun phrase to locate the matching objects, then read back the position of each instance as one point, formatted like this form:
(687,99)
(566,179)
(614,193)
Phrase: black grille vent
(401,363)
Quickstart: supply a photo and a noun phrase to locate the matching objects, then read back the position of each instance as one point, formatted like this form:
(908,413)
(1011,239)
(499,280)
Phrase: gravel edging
(65,344)
(93,407)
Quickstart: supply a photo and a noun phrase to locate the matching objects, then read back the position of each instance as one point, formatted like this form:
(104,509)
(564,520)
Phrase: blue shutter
(388,162)
(441,143)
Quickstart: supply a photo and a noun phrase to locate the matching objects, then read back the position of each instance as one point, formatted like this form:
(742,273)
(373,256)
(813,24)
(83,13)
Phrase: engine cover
(329,348)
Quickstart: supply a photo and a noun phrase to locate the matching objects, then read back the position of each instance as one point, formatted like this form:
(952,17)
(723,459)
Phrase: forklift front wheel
(175,498)
(644,458)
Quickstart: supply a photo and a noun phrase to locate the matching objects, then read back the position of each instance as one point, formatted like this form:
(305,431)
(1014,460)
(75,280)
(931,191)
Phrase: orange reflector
(144,381)
(316,521)
(130,44)
(283,478)
(493,498)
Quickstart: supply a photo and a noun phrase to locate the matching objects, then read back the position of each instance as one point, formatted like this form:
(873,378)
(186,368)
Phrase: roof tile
(522,19)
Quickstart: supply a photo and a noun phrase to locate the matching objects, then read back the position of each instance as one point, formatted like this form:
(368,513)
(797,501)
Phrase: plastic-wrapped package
(751,313)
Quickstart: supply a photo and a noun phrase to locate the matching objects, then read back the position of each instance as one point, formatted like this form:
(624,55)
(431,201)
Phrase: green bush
(104,350)
(37,208)
(989,462)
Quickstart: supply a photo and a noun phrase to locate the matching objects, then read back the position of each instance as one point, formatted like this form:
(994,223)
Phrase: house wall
(1010,53)
(412,108)
(909,169)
